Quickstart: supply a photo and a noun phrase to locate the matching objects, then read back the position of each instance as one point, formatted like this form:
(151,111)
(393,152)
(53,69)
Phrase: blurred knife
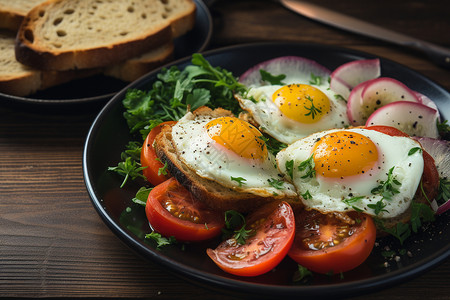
(437,54)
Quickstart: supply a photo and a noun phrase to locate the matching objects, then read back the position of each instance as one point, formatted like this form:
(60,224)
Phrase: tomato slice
(430,176)
(392,131)
(172,211)
(273,228)
(324,243)
(149,158)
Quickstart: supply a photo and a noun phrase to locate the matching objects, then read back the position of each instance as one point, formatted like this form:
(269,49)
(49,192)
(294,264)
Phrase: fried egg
(354,169)
(229,151)
(295,108)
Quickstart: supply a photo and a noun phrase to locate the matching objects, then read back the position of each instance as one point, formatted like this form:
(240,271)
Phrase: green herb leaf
(273,80)
(290,168)
(276,183)
(414,150)
(316,80)
(129,169)
(312,109)
(160,240)
(142,196)
(302,274)
(308,166)
(235,227)
(306,195)
(444,191)
(239,180)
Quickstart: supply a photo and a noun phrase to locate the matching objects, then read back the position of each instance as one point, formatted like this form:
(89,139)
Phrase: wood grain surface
(52,242)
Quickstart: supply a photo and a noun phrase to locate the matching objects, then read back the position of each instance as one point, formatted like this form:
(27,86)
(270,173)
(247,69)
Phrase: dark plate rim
(204,11)
(228,285)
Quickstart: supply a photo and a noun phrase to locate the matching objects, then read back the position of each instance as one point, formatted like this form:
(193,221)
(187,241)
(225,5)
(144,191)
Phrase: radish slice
(381,91)
(440,151)
(341,88)
(350,74)
(354,111)
(291,66)
(412,118)
(427,101)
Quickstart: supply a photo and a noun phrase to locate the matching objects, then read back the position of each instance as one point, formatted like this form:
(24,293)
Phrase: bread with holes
(79,34)
(20,80)
(212,193)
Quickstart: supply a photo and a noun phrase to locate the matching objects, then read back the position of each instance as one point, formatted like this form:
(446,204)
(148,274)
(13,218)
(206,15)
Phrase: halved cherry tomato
(273,228)
(149,158)
(430,176)
(324,243)
(172,211)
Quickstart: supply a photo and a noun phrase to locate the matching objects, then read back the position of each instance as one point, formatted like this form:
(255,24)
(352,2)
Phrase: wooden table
(53,243)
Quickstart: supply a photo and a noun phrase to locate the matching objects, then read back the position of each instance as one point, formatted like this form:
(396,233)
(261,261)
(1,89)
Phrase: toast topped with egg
(222,161)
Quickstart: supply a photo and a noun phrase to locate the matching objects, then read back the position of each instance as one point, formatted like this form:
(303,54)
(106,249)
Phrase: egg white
(212,161)
(327,194)
(258,102)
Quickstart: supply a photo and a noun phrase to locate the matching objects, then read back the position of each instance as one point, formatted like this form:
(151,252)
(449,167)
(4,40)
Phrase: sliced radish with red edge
(412,118)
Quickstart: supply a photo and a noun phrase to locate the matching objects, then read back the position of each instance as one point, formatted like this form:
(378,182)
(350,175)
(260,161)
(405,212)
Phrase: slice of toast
(12,12)
(78,34)
(20,80)
(133,68)
(212,193)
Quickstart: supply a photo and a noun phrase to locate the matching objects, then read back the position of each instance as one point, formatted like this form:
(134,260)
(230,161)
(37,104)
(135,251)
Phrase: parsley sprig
(387,189)
(308,166)
(235,227)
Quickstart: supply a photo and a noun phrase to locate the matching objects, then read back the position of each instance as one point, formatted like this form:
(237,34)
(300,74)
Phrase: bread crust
(33,49)
(213,194)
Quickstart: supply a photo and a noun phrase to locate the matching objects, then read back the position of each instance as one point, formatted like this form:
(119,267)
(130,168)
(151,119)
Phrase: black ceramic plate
(101,88)
(109,134)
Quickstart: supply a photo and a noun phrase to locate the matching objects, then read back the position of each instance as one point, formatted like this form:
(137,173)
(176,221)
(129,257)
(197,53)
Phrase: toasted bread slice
(133,68)
(12,12)
(212,193)
(78,34)
(20,80)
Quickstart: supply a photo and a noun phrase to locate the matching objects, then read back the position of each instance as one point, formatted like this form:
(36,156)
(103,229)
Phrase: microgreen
(316,80)
(306,195)
(233,220)
(387,188)
(290,168)
(350,202)
(129,169)
(276,183)
(239,180)
(302,274)
(272,144)
(414,150)
(444,191)
(308,166)
(160,240)
(272,79)
(163,169)
(312,109)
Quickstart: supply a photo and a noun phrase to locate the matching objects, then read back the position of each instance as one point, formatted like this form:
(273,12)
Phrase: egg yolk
(302,103)
(344,153)
(238,136)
